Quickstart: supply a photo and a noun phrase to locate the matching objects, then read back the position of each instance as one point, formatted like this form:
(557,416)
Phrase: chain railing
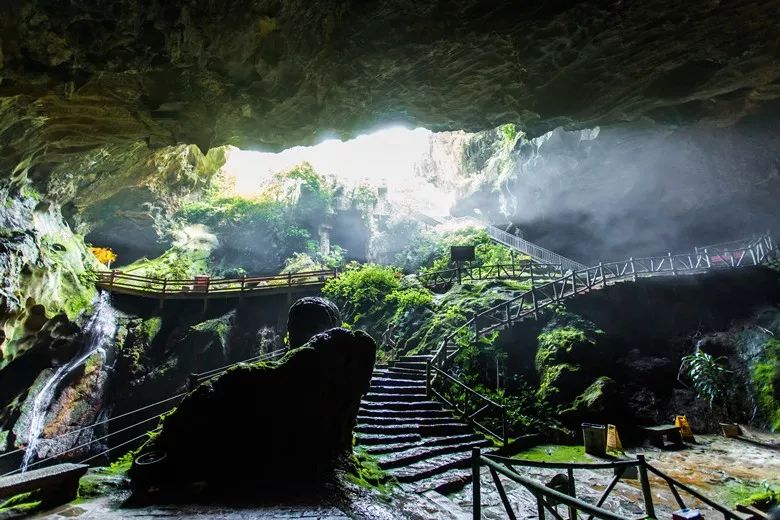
(547,497)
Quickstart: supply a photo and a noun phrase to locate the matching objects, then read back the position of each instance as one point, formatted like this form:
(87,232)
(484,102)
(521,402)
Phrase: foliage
(361,287)
(558,340)
(509,131)
(104,255)
(300,263)
(766,380)
(408,300)
(707,374)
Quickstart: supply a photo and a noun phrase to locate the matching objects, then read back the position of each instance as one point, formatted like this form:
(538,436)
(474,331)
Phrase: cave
(374,250)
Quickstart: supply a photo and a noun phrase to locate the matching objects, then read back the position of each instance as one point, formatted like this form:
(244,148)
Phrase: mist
(631,190)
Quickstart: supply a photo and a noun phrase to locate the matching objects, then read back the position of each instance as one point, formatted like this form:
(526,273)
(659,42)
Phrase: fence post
(572,493)
(111,282)
(476,495)
(645,483)
(243,282)
(536,305)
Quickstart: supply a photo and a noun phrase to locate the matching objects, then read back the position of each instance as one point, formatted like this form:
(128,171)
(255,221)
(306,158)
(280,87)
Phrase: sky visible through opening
(389,157)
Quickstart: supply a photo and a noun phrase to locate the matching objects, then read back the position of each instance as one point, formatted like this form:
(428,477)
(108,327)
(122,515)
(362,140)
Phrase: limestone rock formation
(309,316)
(102,78)
(280,422)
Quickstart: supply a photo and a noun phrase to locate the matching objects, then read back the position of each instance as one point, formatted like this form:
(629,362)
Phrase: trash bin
(595,438)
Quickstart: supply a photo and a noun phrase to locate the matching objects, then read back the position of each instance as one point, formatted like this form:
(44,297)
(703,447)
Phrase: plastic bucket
(595,438)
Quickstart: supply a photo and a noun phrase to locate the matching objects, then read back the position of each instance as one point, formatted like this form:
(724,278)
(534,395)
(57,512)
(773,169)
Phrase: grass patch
(555,453)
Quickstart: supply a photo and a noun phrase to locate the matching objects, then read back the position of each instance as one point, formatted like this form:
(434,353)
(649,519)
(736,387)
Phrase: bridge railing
(531,249)
(528,304)
(119,281)
(547,497)
(521,269)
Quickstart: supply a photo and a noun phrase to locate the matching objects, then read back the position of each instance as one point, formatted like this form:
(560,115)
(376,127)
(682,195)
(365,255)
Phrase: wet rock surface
(718,467)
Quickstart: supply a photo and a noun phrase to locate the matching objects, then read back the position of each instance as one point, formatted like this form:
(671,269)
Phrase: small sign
(462,253)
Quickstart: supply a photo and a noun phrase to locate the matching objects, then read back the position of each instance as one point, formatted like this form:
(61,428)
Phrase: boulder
(273,423)
(309,316)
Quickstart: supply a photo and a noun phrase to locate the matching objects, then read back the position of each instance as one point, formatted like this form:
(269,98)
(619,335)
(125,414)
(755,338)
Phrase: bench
(656,434)
(55,484)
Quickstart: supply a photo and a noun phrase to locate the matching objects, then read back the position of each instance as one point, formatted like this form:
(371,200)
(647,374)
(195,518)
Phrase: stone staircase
(415,439)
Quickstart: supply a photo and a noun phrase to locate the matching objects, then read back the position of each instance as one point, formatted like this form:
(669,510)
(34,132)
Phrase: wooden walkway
(731,255)
(204,287)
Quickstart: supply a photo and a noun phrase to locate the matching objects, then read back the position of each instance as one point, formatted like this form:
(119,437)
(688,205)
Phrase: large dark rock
(309,316)
(269,422)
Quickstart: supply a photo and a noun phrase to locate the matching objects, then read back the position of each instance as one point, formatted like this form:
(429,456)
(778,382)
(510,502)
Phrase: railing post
(536,304)
(428,375)
(165,285)
(601,272)
(645,483)
(243,282)
(531,272)
(289,279)
(476,495)
(505,431)
(671,264)
(707,257)
(572,493)
(573,283)
(633,268)
(111,281)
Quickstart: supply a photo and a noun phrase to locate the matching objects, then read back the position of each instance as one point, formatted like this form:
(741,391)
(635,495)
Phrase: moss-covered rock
(309,316)
(283,422)
(592,404)
(766,380)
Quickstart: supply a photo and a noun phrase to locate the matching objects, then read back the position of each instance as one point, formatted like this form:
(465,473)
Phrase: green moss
(365,472)
(552,343)
(766,381)
(760,494)
(23,503)
(555,453)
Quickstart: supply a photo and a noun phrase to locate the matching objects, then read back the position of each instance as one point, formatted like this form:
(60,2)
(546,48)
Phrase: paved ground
(718,467)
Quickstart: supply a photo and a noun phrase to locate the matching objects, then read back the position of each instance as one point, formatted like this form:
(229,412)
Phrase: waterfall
(99,332)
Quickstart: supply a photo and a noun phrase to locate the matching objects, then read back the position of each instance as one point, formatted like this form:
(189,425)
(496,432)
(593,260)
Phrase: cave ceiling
(81,76)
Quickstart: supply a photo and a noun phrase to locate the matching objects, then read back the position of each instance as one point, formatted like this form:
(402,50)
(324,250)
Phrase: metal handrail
(466,410)
(531,249)
(543,494)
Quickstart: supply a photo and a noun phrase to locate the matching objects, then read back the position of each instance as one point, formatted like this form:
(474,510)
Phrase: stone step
(391,421)
(399,405)
(372,439)
(436,430)
(411,365)
(407,457)
(397,389)
(400,414)
(422,358)
(384,397)
(407,373)
(430,467)
(447,440)
(449,482)
(392,373)
(392,381)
